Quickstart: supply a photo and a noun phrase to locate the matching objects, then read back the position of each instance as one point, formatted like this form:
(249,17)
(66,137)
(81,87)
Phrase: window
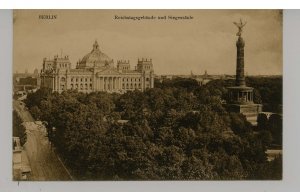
(147,79)
(72,79)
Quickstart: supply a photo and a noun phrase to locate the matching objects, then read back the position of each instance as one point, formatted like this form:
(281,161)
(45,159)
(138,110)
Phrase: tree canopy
(176,131)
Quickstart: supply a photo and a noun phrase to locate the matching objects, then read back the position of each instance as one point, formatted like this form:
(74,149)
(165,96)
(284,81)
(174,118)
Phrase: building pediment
(108,72)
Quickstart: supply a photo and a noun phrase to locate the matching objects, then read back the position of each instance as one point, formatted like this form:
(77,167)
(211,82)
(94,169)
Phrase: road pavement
(44,162)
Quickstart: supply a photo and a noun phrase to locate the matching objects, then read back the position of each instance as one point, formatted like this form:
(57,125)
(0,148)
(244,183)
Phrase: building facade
(96,72)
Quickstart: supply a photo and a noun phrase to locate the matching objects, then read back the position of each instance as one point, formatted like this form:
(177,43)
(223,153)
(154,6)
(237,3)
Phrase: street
(45,164)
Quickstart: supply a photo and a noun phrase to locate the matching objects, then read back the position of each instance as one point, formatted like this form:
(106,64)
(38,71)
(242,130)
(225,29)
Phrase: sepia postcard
(138,95)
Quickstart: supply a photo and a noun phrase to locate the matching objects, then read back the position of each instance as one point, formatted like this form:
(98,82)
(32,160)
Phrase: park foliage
(175,131)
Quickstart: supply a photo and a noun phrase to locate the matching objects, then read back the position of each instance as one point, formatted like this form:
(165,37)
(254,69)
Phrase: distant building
(26,81)
(36,73)
(204,79)
(205,75)
(165,77)
(96,72)
(192,74)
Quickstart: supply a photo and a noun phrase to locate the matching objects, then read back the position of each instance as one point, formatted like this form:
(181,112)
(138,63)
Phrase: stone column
(99,86)
(114,83)
(95,83)
(152,80)
(53,82)
(240,77)
(99,83)
(109,83)
(248,96)
(58,85)
(102,84)
(117,83)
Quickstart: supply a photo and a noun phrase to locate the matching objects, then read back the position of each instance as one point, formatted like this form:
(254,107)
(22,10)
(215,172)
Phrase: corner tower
(240,97)
(145,67)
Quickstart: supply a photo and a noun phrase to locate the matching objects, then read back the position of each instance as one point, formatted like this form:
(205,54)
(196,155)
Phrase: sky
(206,42)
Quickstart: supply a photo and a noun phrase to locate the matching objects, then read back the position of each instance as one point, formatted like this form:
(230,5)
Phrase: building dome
(95,58)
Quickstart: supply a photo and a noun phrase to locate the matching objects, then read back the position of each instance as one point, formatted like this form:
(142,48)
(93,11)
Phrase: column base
(250,111)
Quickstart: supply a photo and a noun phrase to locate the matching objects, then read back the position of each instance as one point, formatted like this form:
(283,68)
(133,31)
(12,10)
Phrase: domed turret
(95,58)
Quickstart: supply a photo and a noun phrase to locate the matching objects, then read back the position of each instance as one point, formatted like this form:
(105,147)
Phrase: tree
(239,124)
(275,123)
(35,112)
(262,122)
(34,99)
(266,137)
(19,129)
(176,131)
